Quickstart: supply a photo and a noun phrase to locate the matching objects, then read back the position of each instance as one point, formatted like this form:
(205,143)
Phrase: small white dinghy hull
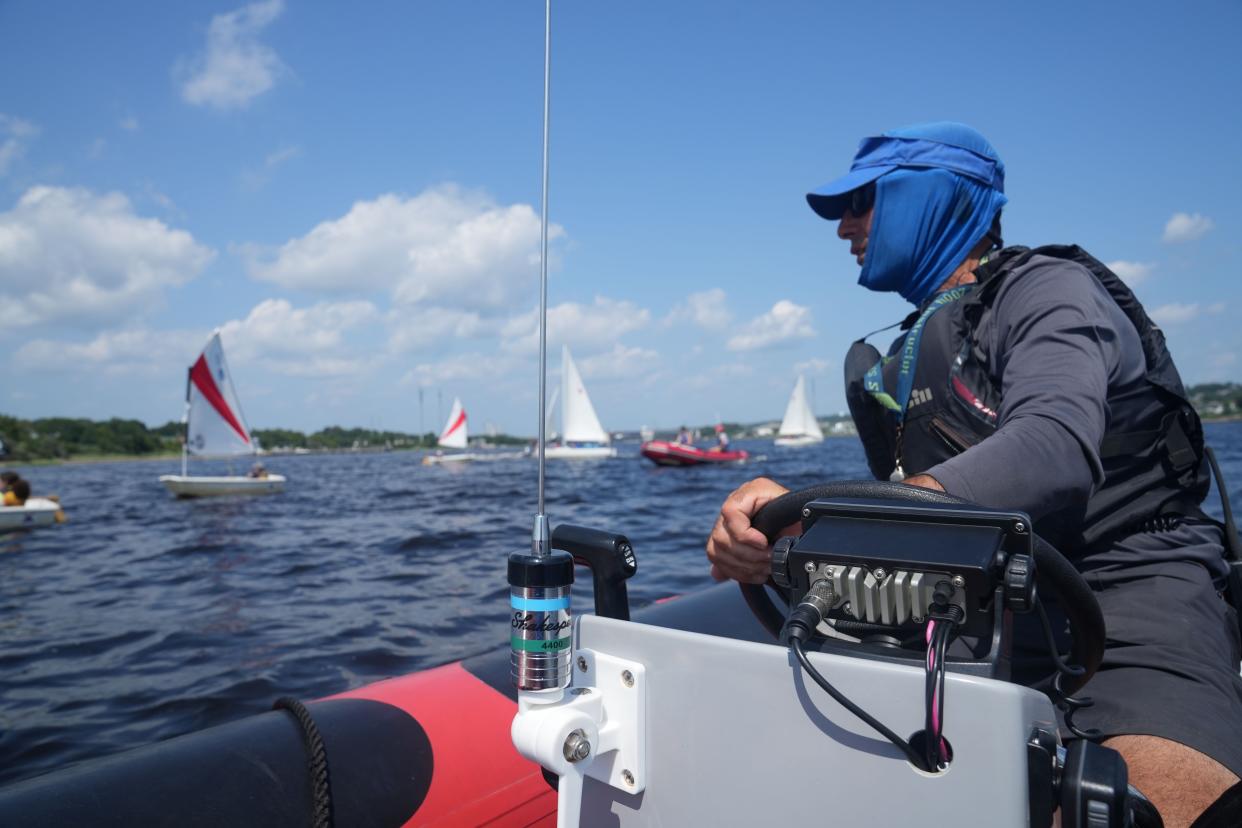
(190,486)
(37,511)
(579,452)
(798,441)
(448,459)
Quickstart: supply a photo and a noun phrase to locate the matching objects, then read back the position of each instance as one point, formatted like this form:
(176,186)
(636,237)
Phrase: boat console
(882,700)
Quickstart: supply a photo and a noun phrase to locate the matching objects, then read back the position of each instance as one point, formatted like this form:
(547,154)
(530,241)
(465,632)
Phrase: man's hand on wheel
(736,549)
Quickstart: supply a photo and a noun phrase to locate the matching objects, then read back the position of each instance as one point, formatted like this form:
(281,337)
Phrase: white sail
(454,434)
(579,423)
(214,422)
(549,424)
(799,420)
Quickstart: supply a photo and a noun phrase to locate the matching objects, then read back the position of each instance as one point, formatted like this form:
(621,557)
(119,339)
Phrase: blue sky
(352,193)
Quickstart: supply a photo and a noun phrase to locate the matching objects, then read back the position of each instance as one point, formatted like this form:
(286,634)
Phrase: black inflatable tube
(1054,572)
(249,772)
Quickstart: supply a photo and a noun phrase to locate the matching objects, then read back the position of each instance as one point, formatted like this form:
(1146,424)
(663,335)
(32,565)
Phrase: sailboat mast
(185,422)
(540,538)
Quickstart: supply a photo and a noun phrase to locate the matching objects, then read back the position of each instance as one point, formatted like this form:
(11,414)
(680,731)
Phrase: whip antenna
(540,634)
(539,537)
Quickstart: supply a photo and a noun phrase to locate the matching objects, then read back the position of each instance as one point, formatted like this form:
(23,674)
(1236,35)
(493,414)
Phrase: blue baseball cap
(941,145)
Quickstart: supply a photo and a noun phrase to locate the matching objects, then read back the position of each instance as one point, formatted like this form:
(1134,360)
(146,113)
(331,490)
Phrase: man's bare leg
(1180,781)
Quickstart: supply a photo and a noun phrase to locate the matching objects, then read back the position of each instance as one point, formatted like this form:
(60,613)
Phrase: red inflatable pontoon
(664,453)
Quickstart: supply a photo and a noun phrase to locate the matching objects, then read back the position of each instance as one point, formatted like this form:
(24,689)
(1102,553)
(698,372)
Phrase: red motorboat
(664,453)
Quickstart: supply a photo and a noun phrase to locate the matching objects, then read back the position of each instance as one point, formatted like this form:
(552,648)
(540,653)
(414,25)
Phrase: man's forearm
(1032,464)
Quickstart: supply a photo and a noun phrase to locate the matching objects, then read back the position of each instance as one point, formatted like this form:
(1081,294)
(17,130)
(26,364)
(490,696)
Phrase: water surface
(145,617)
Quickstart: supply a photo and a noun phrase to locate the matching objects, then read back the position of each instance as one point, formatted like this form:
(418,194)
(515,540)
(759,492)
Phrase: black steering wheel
(1053,571)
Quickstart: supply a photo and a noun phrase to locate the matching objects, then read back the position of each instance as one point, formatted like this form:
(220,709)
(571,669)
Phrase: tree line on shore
(62,438)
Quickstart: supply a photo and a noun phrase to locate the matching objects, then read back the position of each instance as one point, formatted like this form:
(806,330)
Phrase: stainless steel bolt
(809,566)
(880,573)
(628,778)
(806,512)
(1019,527)
(582,665)
(627,678)
(577,747)
(959,581)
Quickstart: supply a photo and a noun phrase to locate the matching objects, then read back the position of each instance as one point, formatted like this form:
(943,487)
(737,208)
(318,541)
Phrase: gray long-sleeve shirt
(1058,343)
(1062,350)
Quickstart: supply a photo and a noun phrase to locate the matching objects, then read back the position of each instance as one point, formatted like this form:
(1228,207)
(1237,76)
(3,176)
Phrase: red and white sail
(214,422)
(454,434)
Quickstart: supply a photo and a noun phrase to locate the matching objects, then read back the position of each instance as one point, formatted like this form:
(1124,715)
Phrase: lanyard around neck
(873,381)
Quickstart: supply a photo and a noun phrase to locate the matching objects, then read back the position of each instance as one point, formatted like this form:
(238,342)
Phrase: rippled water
(145,617)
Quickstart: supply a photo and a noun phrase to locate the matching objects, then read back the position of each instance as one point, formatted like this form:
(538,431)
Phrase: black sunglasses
(862,199)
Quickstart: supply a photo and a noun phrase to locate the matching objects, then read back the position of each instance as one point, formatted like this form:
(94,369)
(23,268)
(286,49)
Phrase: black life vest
(1152,454)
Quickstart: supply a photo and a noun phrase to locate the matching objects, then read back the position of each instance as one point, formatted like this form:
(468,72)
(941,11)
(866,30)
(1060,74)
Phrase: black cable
(945,633)
(1062,665)
(321,784)
(910,753)
(929,700)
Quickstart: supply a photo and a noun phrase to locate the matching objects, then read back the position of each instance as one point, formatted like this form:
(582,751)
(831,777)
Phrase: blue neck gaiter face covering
(924,224)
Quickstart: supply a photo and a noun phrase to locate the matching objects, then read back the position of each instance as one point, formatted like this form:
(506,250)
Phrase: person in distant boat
(17,493)
(722,438)
(1036,382)
(7,479)
(683,437)
(258,471)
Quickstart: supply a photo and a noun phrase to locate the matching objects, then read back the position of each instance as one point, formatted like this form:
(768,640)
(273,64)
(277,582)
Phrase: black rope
(321,785)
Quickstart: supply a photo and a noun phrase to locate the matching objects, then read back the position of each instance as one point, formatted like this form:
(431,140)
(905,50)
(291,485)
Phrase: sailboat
(215,427)
(582,436)
(799,428)
(454,436)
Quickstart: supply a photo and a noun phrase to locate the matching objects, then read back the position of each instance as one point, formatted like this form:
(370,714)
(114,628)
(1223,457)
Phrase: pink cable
(935,711)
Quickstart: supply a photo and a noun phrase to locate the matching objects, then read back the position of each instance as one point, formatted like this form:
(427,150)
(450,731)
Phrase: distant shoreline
(86,459)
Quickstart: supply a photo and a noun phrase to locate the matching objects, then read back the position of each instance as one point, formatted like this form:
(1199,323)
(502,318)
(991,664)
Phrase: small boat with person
(215,427)
(666,453)
(36,511)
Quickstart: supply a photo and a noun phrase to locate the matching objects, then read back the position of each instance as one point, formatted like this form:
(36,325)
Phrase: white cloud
(234,67)
(15,136)
(705,309)
(274,329)
(298,342)
(70,254)
(414,329)
(466,367)
(138,351)
(621,362)
(256,179)
(785,322)
(445,245)
(813,367)
(573,324)
(129,123)
(1132,273)
(1186,227)
(1175,313)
